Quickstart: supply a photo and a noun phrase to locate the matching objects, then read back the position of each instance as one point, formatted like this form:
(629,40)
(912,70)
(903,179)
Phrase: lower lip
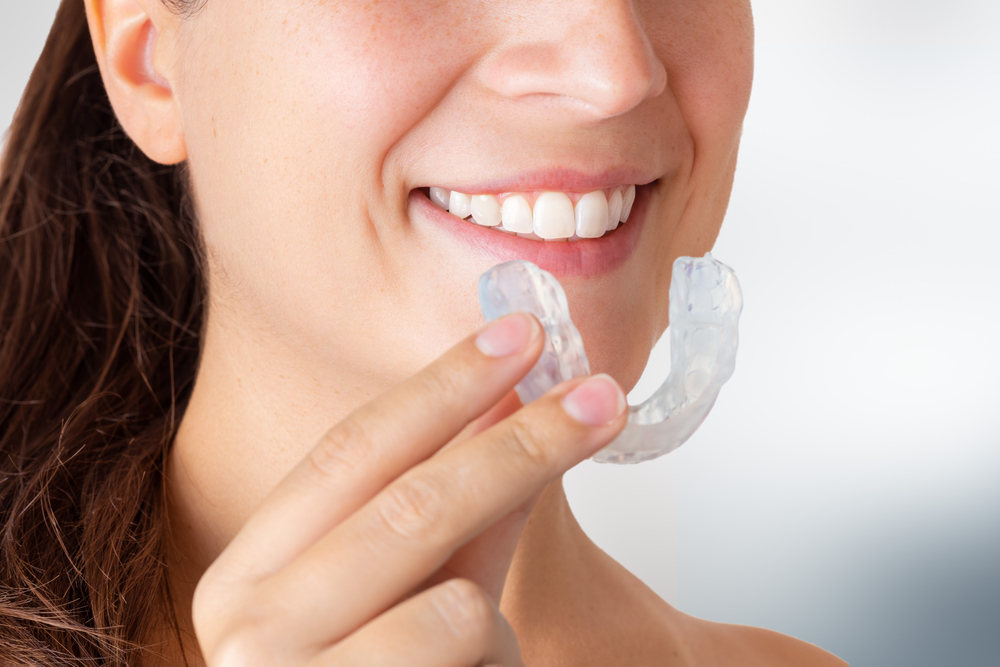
(561,258)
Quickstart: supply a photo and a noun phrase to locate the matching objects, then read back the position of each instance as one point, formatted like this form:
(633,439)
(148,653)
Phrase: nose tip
(617,88)
(595,56)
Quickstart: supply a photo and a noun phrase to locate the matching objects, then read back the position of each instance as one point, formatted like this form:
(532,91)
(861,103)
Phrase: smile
(488,221)
(548,216)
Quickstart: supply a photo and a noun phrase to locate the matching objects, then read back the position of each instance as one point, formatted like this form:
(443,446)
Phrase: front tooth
(485,210)
(627,200)
(553,216)
(440,196)
(459,204)
(516,215)
(615,209)
(591,215)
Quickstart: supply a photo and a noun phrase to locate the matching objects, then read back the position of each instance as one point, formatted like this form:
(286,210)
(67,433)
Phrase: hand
(370,551)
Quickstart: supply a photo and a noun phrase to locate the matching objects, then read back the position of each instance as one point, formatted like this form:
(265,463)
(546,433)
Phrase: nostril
(599,64)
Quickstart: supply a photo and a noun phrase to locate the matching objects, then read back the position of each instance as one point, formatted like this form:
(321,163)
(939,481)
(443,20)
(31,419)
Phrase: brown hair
(101,307)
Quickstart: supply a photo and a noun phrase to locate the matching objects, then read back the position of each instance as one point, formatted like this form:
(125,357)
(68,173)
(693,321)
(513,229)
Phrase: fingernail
(507,335)
(596,401)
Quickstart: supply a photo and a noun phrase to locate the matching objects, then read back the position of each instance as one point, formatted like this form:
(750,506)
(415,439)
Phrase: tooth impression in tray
(705,306)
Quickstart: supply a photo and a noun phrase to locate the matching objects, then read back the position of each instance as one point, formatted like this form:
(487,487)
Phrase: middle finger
(409,530)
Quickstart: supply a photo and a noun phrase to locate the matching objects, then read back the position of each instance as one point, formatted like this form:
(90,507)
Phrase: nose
(592,55)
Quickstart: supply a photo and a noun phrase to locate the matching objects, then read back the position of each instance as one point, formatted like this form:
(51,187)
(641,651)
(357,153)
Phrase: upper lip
(560,179)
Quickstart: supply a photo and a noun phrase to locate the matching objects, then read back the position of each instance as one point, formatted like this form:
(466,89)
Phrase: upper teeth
(553,215)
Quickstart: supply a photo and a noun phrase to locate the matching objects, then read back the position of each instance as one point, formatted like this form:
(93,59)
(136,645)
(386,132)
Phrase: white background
(846,488)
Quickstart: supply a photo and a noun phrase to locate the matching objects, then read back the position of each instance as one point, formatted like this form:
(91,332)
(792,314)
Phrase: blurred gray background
(846,488)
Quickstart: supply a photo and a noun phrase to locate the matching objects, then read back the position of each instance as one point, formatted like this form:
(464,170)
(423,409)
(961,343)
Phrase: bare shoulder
(729,644)
(616,619)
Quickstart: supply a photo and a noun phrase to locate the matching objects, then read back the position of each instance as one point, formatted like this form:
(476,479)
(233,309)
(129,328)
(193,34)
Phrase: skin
(306,463)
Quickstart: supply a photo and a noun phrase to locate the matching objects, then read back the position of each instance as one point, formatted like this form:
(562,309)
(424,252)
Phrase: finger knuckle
(527,445)
(446,383)
(245,647)
(466,608)
(342,450)
(411,508)
(204,601)
(247,639)
(211,599)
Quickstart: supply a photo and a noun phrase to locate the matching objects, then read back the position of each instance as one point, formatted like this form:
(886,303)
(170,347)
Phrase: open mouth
(565,233)
(541,216)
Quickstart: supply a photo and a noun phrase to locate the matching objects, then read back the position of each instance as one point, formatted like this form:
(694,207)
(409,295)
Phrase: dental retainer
(705,306)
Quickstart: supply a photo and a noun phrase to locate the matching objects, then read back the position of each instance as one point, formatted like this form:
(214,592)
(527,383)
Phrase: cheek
(368,72)
(292,117)
(708,46)
(319,76)
(290,127)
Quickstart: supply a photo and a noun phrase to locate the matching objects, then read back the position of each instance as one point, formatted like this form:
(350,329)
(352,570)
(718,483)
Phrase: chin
(625,363)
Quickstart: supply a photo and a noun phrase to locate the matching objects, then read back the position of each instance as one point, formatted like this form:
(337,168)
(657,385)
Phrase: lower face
(316,132)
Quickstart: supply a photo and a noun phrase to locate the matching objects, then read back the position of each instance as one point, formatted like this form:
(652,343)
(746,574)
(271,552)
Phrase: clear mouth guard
(705,306)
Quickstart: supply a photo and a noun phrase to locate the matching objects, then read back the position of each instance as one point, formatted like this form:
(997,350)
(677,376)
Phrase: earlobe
(125,36)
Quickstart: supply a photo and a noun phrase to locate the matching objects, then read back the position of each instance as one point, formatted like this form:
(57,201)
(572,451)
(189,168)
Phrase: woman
(236,425)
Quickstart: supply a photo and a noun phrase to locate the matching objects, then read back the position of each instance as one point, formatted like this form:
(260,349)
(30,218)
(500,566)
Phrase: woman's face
(314,129)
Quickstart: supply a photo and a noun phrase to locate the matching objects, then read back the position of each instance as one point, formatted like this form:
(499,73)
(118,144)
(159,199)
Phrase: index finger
(380,440)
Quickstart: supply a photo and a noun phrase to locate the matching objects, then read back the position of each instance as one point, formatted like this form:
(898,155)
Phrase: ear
(128,38)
